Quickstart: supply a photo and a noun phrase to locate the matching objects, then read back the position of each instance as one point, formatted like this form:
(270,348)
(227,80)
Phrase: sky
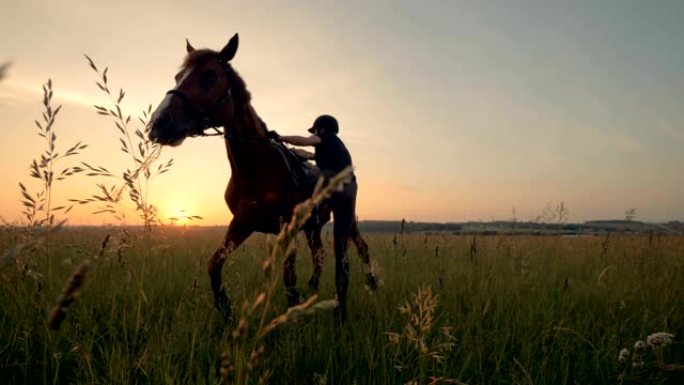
(452,110)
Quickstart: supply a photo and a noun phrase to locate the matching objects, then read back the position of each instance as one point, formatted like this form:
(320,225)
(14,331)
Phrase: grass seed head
(659,340)
(623,356)
(640,346)
(70,293)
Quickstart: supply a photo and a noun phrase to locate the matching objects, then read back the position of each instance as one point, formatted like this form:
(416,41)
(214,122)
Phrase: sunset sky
(452,110)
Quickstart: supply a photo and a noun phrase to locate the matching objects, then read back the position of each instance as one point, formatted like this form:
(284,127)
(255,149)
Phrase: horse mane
(200,57)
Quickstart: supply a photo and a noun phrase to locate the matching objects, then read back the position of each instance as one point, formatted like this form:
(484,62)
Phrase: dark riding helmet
(326,122)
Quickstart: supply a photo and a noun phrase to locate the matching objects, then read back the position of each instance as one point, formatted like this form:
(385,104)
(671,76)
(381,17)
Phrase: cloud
(11,93)
(22,91)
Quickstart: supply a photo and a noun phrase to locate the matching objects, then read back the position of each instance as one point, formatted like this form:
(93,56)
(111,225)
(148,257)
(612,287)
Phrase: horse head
(204,96)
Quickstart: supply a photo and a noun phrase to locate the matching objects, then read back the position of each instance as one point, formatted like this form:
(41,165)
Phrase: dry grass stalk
(103,247)
(420,322)
(444,380)
(308,307)
(647,359)
(71,291)
(421,344)
(144,155)
(602,275)
(43,168)
(39,210)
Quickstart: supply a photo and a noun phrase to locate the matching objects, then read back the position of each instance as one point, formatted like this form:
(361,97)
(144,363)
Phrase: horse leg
(362,248)
(313,237)
(234,237)
(343,205)
(290,280)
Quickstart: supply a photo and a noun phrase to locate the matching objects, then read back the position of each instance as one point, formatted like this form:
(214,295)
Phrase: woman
(332,156)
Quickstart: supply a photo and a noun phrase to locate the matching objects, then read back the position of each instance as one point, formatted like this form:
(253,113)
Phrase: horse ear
(228,52)
(189,46)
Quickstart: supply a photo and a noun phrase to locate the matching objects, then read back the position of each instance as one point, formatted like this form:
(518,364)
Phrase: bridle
(202,116)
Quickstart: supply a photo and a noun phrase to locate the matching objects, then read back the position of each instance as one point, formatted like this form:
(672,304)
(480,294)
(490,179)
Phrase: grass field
(522,310)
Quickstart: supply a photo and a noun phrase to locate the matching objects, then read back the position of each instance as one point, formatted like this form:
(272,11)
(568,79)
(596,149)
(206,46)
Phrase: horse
(263,188)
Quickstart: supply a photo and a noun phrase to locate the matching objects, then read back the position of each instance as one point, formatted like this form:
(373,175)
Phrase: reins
(228,136)
(217,133)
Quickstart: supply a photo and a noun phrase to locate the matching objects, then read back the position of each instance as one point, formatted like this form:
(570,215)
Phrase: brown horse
(263,188)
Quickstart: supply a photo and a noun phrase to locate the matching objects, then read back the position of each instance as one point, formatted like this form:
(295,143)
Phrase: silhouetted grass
(132,182)
(39,208)
(543,310)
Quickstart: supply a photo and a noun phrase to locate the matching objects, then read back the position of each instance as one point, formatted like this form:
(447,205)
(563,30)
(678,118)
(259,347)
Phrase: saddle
(303,172)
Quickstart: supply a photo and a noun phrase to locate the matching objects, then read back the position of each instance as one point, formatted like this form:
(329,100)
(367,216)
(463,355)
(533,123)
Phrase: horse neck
(246,129)
(247,125)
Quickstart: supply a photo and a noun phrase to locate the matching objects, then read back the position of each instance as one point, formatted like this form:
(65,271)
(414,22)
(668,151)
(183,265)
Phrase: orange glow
(450,112)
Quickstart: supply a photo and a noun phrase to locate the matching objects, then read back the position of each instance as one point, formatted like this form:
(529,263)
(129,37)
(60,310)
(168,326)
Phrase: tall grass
(39,208)
(526,309)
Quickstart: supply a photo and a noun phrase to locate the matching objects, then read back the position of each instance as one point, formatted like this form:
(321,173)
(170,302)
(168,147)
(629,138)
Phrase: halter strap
(205,116)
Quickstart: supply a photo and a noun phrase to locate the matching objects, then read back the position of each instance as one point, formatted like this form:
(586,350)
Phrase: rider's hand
(273,135)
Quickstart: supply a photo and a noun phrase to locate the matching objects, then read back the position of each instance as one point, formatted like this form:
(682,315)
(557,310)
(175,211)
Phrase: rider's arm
(303,153)
(301,140)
